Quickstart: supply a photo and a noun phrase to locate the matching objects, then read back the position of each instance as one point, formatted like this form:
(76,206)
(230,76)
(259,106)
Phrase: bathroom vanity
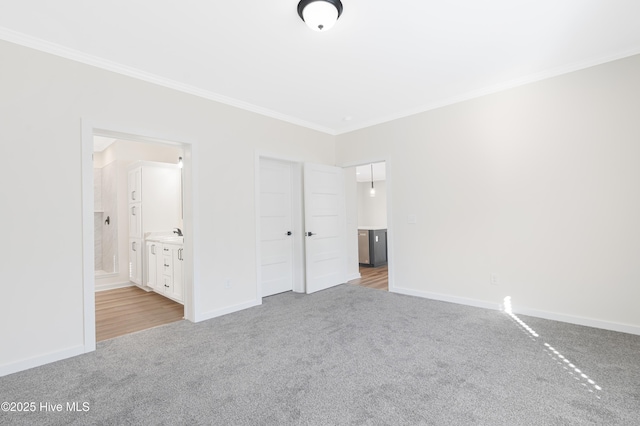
(165,272)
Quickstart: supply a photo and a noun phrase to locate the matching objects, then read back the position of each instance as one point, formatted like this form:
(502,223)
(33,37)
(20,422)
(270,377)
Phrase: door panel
(275,221)
(325,220)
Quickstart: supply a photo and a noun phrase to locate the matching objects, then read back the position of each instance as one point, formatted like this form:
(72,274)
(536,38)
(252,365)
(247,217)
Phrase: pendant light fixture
(372,191)
(320,15)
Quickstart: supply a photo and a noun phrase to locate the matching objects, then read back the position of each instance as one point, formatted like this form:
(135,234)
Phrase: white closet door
(276,226)
(325,218)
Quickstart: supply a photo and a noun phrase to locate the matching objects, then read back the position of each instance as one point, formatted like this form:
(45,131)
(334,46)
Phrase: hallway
(377,278)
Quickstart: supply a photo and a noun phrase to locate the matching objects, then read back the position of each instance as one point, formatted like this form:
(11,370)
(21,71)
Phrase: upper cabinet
(135,183)
(154,195)
(135,220)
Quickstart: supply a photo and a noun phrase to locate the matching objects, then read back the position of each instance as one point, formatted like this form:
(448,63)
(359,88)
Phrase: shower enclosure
(105,219)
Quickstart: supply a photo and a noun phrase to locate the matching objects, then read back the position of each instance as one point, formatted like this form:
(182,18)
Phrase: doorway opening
(369,206)
(136,209)
(147,213)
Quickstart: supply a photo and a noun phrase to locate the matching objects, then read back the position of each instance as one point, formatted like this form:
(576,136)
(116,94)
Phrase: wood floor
(129,309)
(377,278)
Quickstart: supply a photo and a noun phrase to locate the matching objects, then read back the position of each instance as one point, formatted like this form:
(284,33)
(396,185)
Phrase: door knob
(310,234)
(289,232)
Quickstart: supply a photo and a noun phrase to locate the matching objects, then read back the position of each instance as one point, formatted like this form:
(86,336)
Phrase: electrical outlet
(494,279)
(227,283)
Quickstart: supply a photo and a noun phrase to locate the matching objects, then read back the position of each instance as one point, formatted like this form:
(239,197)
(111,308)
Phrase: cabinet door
(166,268)
(177,290)
(160,288)
(135,261)
(134,186)
(167,260)
(152,264)
(135,220)
(161,188)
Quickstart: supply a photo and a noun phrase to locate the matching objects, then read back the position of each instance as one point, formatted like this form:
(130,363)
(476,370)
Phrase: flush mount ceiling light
(320,15)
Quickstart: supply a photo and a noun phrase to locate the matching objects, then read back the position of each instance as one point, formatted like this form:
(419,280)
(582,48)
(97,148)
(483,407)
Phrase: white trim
(228,310)
(191,223)
(39,360)
(112,286)
(447,298)
(572,319)
(353,276)
(299,242)
(89,129)
(391,281)
(75,55)
(88,270)
(258,254)
(96,61)
(389,189)
(103,276)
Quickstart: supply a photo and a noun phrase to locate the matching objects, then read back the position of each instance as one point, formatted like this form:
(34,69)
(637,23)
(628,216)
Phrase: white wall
(539,184)
(372,211)
(43,104)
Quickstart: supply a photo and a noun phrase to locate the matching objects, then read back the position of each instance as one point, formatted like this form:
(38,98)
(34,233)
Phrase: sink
(173,240)
(167,239)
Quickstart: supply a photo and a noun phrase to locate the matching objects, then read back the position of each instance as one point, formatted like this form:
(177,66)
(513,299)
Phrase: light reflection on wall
(589,384)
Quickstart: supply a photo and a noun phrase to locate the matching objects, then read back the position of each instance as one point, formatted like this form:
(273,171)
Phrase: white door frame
(297,218)
(389,190)
(191,287)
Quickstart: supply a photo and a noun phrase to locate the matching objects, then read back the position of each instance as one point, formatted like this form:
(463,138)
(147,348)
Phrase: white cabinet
(178,274)
(135,260)
(134,185)
(154,203)
(135,228)
(153,254)
(165,269)
(135,220)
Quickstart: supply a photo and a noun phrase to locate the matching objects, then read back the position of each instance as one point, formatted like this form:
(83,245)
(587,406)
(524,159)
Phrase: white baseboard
(571,319)
(446,298)
(228,310)
(37,361)
(103,287)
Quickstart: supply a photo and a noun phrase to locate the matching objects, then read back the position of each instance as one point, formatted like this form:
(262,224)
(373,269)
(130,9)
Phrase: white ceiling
(382,60)
(100,143)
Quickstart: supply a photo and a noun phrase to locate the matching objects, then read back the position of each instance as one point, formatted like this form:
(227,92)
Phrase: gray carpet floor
(347,355)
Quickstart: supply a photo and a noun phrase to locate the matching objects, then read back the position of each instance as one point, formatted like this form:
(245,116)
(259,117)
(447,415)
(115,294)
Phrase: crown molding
(96,61)
(75,55)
